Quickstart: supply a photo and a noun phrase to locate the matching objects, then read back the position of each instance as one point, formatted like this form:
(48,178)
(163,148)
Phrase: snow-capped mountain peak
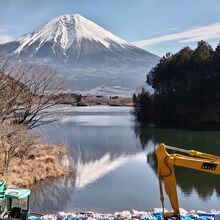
(90,57)
(65,30)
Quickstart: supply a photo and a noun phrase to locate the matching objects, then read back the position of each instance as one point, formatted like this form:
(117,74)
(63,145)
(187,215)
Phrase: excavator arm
(166,174)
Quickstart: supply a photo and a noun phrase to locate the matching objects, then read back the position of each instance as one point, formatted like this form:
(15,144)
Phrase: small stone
(192,211)
(200,211)
(155,210)
(134,212)
(183,211)
(213,211)
(126,214)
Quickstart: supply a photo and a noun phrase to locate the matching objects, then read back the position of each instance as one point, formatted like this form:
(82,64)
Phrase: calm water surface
(115,166)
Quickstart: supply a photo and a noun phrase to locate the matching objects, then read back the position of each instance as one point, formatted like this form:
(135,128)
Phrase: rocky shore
(155,214)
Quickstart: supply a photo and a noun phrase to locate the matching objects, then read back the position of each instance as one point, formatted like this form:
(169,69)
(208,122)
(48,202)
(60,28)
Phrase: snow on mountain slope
(66,30)
(85,53)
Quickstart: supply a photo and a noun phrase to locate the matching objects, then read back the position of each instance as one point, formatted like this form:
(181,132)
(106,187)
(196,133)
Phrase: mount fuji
(92,59)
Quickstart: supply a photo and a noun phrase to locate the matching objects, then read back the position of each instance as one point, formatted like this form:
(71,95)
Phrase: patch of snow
(64,30)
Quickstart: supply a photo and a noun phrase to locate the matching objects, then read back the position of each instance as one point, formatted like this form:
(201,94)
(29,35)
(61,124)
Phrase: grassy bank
(42,163)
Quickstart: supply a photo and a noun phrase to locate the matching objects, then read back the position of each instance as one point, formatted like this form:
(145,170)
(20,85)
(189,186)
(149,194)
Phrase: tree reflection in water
(188,180)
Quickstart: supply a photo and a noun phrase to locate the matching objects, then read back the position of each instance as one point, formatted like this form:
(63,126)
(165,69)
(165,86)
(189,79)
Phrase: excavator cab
(16,204)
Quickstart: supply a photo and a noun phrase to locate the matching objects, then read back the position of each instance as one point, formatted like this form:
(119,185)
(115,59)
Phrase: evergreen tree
(186,87)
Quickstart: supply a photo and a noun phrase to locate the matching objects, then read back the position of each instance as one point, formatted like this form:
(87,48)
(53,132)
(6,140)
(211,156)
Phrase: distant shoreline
(91,100)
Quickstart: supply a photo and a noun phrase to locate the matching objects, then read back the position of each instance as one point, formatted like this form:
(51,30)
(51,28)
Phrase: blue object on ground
(147,216)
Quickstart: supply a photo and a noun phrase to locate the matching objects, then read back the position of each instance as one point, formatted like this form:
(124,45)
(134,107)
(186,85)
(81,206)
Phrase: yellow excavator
(190,159)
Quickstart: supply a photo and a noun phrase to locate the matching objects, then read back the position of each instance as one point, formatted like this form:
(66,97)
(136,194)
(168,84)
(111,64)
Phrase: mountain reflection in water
(115,166)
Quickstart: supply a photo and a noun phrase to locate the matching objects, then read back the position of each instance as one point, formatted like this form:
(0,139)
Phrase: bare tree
(15,141)
(28,94)
(28,98)
(10,91)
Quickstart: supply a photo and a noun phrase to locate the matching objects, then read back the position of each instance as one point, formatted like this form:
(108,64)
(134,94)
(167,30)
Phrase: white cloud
(5,38)
(194,34)
(172,29)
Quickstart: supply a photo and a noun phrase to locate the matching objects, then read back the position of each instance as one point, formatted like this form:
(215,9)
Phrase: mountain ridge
(80,49)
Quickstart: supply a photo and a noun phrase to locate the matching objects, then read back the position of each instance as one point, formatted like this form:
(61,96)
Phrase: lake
(115,165)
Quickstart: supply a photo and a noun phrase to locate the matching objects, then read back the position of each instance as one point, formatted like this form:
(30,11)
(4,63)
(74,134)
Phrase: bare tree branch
(15,141)
(27,94)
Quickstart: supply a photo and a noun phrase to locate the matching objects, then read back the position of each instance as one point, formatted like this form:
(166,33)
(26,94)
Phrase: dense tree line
(186,88)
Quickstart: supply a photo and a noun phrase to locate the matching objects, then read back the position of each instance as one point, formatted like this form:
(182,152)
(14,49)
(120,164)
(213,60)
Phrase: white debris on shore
(133,214)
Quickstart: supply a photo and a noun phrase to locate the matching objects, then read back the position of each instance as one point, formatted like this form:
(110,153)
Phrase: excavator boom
(166,174)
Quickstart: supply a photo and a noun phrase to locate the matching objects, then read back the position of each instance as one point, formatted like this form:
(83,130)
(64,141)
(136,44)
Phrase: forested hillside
(186,88)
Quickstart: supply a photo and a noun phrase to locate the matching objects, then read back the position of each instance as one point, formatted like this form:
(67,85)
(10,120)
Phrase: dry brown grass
(42,163)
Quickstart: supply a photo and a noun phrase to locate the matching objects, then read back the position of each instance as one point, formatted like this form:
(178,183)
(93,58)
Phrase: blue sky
(159,26)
